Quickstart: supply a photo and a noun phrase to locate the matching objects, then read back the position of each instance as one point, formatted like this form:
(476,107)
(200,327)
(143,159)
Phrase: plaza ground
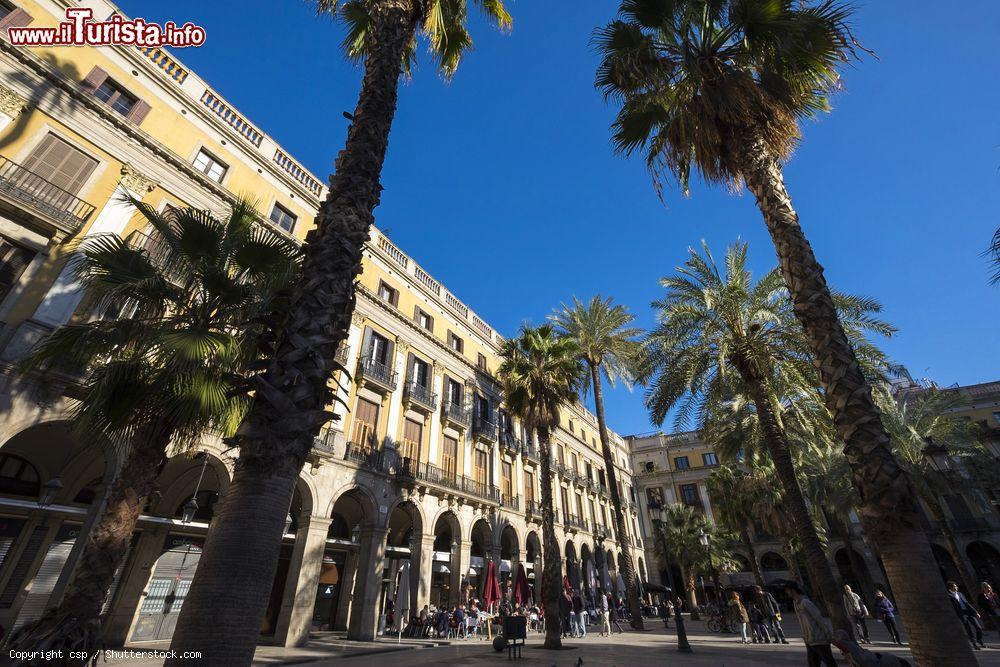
(653,647)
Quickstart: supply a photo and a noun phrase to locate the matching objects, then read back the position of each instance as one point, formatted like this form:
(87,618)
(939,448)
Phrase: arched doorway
(510,554)
(533,564)
(481,549)
(589,572)
(572,566)
(848,564)
(351,512)
(445,574)
(403,538)
(773,566)
(985,562)
(946,566)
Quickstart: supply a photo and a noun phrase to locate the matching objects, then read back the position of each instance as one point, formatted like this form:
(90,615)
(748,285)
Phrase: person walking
(738,614)
(772,614)
(989,604)
(757,628)
(968,614)
(816,629)
(857,610)
(579,615)
(565,611)
(605,614)
(614,613)
(886,611)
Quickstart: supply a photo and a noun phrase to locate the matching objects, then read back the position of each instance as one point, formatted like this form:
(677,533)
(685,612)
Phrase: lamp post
(191,506)
(706,541)
(683,646)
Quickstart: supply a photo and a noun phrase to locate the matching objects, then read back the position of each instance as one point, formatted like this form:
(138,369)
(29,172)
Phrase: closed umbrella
(591,577)
(521,592)
(566,586)
(605,578)
(621,585)
(491,586)
(403,598)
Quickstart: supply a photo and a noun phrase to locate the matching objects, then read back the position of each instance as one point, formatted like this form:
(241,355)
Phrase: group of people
(762,617)
(885,611)
(971,616)
(577,612)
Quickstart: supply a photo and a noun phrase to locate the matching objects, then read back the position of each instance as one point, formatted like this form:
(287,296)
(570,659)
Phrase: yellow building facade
(425,466)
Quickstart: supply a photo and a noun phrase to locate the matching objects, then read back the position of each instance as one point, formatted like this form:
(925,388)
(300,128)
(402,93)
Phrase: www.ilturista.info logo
(79,29)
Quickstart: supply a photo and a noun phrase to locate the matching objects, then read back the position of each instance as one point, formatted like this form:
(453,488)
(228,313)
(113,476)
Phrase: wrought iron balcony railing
(449,479)
(456,413)
(376,371)
(40,194)
(510,502)
(532,452)
(341,355)
(418,393)
(485,428)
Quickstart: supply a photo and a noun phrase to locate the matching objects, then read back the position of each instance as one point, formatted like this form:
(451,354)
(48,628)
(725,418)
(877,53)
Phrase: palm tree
(181,310)
(724,335)
(223,611)
(541,373)
(919,420)
(678,536)
(825,477)
(608,346)
(720,86)
(742,496)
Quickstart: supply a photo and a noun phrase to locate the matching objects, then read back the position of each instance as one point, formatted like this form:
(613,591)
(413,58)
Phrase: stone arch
(179,482)
(405,522)
(572,569)
(587,568)
(54,452)
(773,562)
(985,562)
(481,537)
(446,574)
(946,565)
(447,520)
(853,571)
(352,510)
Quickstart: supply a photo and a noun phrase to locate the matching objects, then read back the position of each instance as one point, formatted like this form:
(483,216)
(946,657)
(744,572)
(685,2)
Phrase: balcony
(532,452)
(448,479)
(156,250)
(510,502)
(420,397)
(600,532)
(591,485)
(366,456)
(972,524)
(573,522)
(55,205)
(455,414)
(511,444)
(376,373)
(325,442)
(534,509)
(485,428)
(341,356)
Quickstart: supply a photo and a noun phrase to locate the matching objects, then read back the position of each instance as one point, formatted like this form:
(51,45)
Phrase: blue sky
(502,183)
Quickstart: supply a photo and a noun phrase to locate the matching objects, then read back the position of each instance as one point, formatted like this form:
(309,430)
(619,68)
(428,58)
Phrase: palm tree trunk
(758,577)
(628,571)
(75,623)
(551,580)
(888,502)
(687,571)
(777,444)
(222,614)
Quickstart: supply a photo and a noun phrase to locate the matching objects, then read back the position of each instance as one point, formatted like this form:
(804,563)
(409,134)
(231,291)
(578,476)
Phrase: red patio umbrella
(491,585)
(566,586)
(521,593)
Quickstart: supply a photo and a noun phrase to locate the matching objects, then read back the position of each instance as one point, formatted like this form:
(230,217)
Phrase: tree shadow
(42,92)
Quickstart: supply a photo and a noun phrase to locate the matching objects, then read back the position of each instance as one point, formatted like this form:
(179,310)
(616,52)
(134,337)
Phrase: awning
(440,567)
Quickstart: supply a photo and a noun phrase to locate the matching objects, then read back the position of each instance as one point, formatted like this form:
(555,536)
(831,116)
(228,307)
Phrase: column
(461,557)
(133,582)
(295,617)
(11,106)
(65,295)
(703,495)
(422,562)
(392,426)
(364,607)
(437,386)
(346,591)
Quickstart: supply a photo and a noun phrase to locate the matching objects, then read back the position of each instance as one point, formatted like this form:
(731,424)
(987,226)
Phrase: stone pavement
(630,649)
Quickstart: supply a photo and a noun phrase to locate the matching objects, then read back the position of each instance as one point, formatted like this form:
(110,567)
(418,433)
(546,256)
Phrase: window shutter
(409,368)
(60,163)
(366,343)
(17,18)
(93,81)
(390,354)
(138,112)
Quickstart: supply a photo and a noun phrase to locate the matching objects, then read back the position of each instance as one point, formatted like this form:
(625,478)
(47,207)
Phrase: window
(5,8)
(600,475)
(689,494)
(115,97)
(378,348)
(209,165)
(17,476)
(423,319)
(710,459)
(365,423)
(483,412)
(60,163)
(570,425)
(507,479)
(284,218)
(455,343)
(13,261)
(590,471)
(454,392)
(481,462)
(681,463)
(387,293)
(449,455)
(565,502)
(420,373)
(413,434)
(575,462)
(529,486)
(649,466)
(481,362)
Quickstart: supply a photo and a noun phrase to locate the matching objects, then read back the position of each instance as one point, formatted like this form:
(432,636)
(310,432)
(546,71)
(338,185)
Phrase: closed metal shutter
(48,574)
(20,572)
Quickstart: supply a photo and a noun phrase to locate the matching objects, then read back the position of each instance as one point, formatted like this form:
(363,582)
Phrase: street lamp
(50,490)
(706,541)
(191,506)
